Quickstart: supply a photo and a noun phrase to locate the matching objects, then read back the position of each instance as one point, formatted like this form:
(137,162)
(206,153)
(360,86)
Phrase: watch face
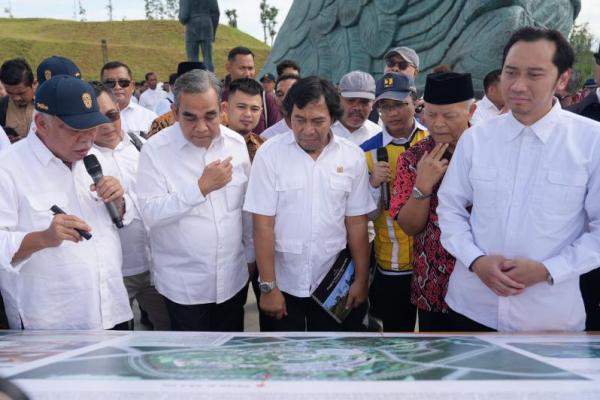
(264,287)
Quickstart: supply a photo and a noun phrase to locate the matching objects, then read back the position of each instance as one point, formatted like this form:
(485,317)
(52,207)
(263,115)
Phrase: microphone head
(382,154)
(92,165)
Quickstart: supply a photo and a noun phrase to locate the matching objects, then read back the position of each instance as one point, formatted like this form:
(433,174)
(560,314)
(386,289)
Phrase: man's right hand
(431,168)
(215,175)
(63,228)
(490,270)
(381,173)
(273,304)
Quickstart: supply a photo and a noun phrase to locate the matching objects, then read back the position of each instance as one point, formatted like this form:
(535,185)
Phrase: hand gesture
(381,173)
(108,189)
(63,227)
(527,272)
(215,175)
(491,271)
(431,168)
(273,304)
(357,295)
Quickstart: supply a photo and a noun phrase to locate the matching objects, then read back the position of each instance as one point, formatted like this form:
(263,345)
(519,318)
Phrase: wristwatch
(266,287)
(418,195)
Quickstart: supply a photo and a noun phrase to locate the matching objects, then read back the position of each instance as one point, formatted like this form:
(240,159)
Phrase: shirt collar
(387,138)
(180,140)
(542,128)
(334,139)
(41,151)
(487,103)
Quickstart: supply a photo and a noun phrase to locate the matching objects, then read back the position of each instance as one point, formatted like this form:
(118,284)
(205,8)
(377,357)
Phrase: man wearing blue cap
(390,290)
(52,278)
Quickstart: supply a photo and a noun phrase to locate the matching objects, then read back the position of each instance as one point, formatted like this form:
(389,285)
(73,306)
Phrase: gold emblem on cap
(387,82)
(340,169)
(47,74)
(41,106)
(87,100)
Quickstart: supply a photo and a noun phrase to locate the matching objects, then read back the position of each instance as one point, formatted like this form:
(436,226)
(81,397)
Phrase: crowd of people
(459,214)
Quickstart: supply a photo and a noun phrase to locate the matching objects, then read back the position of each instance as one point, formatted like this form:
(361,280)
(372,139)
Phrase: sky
(248,11)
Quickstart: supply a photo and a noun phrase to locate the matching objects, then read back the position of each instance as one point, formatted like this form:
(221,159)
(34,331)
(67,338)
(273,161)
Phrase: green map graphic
(307,358)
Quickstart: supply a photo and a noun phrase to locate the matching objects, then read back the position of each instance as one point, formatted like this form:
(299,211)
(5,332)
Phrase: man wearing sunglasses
(403,60)
(389,294)
(135,118)
(590,282)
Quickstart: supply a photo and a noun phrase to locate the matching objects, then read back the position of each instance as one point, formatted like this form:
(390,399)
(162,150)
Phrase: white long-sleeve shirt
(359,136)
(122,163)
(310,200)
(484,111)
(136,119)
(74,285)
(4,141)
(198,243)
(151,97)
(535,194)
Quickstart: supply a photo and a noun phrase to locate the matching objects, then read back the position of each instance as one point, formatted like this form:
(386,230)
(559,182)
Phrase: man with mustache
(389,294)
(357,92)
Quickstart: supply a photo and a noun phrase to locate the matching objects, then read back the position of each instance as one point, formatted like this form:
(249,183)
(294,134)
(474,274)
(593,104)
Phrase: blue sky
(247,10)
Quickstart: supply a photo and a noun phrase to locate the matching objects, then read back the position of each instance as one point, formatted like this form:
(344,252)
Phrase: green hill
(144,45)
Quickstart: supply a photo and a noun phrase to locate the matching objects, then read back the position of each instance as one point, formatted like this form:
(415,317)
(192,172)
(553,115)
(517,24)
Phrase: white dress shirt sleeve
(261,196)
(360,200)
(582,255)
(158,204)
(247,225)
(10,240)
(455,195)
(4,142)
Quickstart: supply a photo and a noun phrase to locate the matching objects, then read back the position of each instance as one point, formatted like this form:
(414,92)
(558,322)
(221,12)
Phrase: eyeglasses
(402,65)
(113,115)
(597,58)
(122,83)
(396,106)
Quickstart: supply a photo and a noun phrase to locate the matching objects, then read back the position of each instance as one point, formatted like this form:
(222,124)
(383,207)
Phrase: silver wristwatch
(266,287)
(418,195)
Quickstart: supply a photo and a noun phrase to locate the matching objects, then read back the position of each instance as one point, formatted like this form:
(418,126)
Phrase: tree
(8,10)
(161,9)
(268,15)
(81,11)
(581,40)
(232,17)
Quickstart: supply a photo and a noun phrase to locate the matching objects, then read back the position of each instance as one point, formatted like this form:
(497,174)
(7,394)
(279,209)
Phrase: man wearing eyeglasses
(590,282)
(119,157)
(389,294)
(135,118)
(403,60)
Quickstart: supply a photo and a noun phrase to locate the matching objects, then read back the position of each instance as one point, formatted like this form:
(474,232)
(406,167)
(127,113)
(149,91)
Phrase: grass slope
(144,45)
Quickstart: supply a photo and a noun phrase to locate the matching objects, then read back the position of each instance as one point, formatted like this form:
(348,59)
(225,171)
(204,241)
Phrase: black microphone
(382,155)
(94,168)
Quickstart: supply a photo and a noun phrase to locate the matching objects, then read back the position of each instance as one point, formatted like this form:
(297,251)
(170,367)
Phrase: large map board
(188,365)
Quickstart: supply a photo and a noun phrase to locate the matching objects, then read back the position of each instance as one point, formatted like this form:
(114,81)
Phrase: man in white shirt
(52,278)
(491,104)
(134,117)
(154,94)
(308,193)
(164,105)
(191,184)
(531,179)
(4,142)
(357,93)
(282,86)
(119,157)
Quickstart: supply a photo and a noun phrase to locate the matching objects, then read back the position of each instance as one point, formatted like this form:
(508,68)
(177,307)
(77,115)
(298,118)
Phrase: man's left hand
(357,294)
(527,272)
(109,189)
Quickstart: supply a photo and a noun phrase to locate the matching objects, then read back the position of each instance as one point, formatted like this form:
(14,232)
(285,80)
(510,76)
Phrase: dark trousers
(590,290)
(254,282)
(192,47)
(224,317)
(451,321)
(389,296)
(304,314)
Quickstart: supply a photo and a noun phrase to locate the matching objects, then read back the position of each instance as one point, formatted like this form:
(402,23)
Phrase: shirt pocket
(339,187)
(288,246)
(289,194)
(563,191)
(40,204)
(485,188)
(235,191)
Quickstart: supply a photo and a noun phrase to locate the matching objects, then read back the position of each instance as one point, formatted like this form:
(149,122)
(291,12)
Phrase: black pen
(84,234)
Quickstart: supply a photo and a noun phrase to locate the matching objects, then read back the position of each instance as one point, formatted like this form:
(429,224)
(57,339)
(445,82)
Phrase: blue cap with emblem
(71,100)
(394,86)
(56,65)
